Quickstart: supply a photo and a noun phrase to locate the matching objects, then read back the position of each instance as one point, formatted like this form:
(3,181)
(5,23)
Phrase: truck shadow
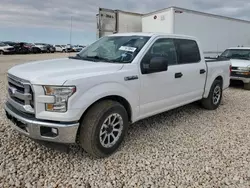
(237,84)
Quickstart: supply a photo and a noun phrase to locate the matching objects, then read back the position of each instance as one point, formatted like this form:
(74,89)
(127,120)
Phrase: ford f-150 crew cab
(92,97)
(240,60)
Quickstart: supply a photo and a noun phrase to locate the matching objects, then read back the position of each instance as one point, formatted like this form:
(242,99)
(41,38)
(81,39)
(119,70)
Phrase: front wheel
(103,128)
(213,100)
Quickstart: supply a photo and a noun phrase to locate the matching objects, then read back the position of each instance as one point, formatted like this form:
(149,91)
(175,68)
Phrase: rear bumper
(61,132)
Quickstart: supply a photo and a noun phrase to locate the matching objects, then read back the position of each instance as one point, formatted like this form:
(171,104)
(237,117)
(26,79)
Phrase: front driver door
(160,91)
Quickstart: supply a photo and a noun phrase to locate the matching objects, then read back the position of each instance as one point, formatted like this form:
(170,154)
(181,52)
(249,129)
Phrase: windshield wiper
(100,59)
(82,58)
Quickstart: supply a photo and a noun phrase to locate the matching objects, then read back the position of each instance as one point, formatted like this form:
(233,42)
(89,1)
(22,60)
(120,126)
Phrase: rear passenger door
(191,69)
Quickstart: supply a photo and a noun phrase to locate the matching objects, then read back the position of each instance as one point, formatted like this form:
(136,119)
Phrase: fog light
(48,131)
(54,130)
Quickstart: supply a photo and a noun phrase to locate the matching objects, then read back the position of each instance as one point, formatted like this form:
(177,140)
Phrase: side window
(187,51)
(161,48)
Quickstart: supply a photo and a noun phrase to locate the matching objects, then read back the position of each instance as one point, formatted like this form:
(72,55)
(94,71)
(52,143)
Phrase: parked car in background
(21,48)
(118,80)
(41,46)
(240,60)
(69,48)
(50,48)
(6,49)
(77,48)
(10,43)
(60,48)
(32,48)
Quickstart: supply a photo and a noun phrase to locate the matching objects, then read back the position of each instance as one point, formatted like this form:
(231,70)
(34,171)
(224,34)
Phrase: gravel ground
(186,147)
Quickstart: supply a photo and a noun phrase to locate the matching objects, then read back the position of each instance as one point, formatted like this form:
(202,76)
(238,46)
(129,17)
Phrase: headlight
(61,95)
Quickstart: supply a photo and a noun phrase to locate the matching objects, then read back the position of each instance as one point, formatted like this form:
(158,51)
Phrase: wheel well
(116,98)
(220,79)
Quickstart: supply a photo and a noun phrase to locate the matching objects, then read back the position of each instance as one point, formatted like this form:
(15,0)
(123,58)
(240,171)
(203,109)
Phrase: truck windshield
(114,49)
(236,54)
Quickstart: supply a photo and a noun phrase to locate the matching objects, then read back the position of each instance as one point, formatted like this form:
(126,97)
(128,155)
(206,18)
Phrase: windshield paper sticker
(127,48)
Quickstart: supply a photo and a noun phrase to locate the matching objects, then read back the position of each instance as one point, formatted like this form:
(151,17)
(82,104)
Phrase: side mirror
(156,64)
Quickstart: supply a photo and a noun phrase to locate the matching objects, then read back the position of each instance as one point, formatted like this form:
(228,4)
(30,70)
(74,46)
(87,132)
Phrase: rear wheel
(247,86)
(213,100)
(1,52)
(103,128)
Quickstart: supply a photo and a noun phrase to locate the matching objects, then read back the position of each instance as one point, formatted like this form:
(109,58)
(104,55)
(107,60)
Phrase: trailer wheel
(103,128)
(213,100)
(247,86)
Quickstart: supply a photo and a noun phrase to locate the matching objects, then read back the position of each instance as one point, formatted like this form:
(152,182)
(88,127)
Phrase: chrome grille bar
(20,94)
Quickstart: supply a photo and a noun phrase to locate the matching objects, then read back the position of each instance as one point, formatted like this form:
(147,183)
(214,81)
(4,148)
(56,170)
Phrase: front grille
(239,74)
(22,102)
(20,94)
(234,68)
(19,89)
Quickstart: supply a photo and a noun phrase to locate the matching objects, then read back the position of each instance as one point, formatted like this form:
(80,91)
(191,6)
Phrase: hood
(58,71)
(240,63)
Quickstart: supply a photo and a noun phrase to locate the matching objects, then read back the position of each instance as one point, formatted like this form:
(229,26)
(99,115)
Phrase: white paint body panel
(164,22)
(115,21)
(129,22)
(148,95)
(215,33)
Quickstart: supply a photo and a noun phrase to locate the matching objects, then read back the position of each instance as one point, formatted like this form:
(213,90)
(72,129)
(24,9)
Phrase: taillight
(230,69)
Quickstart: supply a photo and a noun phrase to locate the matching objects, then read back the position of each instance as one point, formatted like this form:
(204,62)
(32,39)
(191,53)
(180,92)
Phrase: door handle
(178,75)
(202,71)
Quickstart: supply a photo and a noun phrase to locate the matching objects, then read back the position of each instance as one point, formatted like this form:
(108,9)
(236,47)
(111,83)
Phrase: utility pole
(70,32)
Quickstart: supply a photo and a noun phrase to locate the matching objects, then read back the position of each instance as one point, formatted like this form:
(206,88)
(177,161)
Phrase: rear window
(187,51)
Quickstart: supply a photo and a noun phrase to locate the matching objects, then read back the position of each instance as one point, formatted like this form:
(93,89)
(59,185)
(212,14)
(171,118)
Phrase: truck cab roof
(154,34)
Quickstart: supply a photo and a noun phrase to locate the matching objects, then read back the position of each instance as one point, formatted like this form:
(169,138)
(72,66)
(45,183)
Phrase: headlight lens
(61,95)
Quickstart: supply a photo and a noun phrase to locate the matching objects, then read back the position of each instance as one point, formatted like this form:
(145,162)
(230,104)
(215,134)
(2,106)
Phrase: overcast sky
(49,20)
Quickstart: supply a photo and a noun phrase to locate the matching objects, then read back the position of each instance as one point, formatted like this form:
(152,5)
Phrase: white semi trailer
(216,33)
(117,21)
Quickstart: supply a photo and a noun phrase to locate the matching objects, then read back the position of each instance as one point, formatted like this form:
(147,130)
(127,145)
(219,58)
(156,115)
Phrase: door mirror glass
(156,64)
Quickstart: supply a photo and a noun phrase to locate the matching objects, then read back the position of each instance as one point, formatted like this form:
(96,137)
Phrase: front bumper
(243,79)
(61,132)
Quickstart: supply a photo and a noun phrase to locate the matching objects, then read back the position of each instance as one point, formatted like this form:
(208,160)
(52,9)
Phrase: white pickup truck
(240,60)
(92,97)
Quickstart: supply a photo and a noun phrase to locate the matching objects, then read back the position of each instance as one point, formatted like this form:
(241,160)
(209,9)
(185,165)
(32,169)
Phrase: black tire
(247,86)
(1,52)
(209,102)
(64,51)
(92,123)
